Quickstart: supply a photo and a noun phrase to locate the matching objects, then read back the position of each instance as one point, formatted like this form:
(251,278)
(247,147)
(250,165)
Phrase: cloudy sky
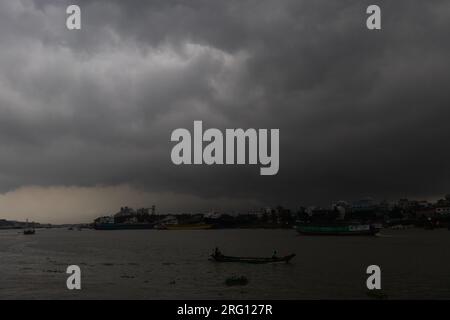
(86,116)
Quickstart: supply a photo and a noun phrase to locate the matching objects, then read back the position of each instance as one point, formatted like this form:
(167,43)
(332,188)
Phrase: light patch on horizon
(66,205)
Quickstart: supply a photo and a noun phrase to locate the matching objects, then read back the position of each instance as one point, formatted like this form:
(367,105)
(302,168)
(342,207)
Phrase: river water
(152,264)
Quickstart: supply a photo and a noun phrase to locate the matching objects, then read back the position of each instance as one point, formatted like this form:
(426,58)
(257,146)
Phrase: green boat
(338,229)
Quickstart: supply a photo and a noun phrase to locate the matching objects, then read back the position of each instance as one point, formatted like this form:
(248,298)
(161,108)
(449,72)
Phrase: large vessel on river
(128,219)
(338,228)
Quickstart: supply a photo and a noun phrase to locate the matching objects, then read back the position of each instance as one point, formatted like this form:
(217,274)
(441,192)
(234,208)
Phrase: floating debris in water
(53,271)
(26,268)
(236,281)
(377,294)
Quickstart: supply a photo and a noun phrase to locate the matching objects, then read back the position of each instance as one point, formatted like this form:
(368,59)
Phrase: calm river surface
(151,264)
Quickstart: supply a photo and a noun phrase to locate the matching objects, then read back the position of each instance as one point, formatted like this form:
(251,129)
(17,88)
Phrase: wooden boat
(29,230)
(222,258)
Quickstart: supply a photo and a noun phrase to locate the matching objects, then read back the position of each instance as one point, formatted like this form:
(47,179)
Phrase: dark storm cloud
(360,112)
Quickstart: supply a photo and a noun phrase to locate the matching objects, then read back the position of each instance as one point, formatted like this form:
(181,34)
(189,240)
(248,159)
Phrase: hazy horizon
(62,205)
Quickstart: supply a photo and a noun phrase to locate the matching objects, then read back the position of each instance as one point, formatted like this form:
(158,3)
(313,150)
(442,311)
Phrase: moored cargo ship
(174,223)
(341,229)
(123,226)
(128,219)
(188,226)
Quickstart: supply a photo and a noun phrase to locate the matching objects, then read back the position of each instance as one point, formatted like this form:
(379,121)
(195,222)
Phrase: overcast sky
(86,116)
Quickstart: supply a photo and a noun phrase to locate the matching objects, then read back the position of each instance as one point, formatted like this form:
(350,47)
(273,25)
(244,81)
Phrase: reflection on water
(151,264)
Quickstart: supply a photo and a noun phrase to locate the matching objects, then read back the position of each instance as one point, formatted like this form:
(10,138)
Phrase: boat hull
(253,260)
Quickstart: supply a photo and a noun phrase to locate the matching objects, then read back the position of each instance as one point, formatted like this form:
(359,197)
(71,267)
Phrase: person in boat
(274,255)
(217,252)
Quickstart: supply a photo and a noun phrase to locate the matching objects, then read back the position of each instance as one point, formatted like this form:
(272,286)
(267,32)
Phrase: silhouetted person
(217,252)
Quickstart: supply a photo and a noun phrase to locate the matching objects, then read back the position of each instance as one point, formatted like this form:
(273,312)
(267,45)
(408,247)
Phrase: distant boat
(29,230)
(255,260)
(340,229)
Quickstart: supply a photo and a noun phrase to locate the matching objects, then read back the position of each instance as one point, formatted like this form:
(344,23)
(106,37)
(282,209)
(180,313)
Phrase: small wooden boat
(222,258)
(29,230)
